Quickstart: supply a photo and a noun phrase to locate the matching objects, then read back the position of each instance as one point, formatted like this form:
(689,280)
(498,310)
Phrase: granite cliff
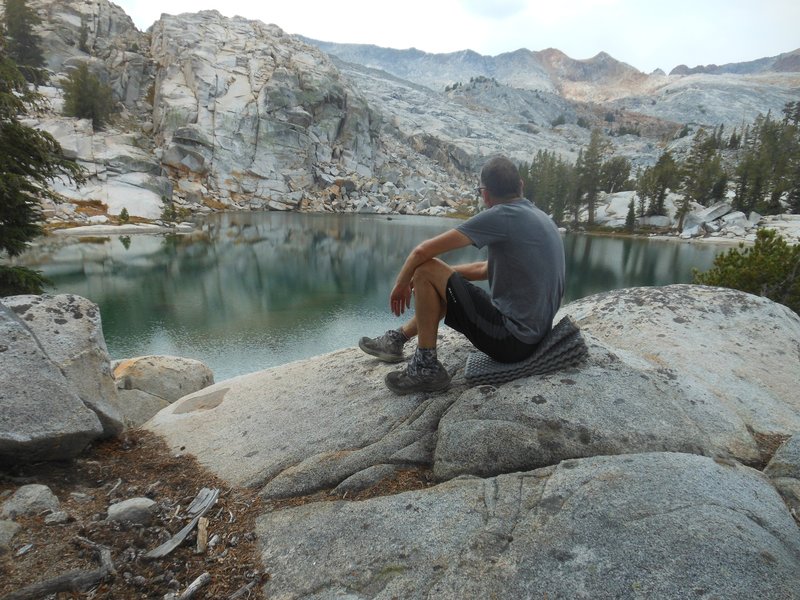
(219,113)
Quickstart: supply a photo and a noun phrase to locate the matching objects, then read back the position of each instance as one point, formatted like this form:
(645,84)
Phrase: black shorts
(470,311)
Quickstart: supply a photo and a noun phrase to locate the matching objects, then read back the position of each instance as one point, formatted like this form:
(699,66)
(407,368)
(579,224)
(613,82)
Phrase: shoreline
(793,236)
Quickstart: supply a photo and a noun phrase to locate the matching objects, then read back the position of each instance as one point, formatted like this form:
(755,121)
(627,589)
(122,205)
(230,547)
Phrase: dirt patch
(141,465)
(138,465)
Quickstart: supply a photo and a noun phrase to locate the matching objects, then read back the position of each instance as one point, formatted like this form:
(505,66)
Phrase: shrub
(124,217)
(770,268)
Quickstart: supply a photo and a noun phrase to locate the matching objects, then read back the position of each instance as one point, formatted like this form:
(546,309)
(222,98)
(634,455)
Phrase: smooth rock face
(740,348)
(253,428)
(70,332)
(167,377)
(138,407)
(679,368)
(656,525)
(41,415)
(247,106)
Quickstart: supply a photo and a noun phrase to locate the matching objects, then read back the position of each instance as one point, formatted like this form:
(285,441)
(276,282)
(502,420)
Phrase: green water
(254,290)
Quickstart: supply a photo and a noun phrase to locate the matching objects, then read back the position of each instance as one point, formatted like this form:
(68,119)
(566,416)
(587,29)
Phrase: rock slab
(41,415)
(656,525)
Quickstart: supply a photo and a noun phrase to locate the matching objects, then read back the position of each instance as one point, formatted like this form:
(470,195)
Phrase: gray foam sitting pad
(562,347)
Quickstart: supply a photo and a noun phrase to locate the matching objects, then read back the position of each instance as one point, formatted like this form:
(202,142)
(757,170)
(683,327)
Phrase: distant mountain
(548,70)
(601,78)
(788,62)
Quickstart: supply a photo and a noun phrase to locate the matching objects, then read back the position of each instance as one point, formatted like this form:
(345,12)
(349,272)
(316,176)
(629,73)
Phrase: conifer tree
(23,43)
(589,170)
(630,219)
(704,180)
(769,268)
(656,181)
(29,160)
(615,174)
(767,174)
(86,97)
(549,181)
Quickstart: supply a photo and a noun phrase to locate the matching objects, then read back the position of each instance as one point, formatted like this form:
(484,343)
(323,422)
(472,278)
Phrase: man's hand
(400,298)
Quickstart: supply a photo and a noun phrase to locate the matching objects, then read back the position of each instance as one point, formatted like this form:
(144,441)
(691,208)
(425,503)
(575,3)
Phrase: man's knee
(434,271)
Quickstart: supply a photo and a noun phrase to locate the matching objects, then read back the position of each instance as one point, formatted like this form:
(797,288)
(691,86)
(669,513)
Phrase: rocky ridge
(221,113)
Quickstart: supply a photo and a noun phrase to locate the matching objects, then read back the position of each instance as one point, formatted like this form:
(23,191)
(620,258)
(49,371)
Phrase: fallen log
(71,581)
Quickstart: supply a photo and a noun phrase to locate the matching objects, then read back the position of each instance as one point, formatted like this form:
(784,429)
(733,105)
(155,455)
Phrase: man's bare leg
(430,304)
(424,372)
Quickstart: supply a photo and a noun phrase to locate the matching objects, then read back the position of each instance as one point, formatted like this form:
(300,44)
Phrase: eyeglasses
(479,190)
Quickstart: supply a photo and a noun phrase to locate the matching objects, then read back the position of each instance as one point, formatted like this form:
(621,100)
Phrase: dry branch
(76,580)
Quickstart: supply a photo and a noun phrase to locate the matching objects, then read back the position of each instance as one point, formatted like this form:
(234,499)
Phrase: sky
(646,34)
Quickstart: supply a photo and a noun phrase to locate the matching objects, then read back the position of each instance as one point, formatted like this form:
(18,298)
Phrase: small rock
(786,460)
(30,499)
(8,529)
(136,510)
(57,518)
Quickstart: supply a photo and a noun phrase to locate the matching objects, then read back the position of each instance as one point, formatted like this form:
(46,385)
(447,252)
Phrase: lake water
(253,290)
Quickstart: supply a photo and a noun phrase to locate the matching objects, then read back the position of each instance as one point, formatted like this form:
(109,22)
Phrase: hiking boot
(412,380)
(387,347)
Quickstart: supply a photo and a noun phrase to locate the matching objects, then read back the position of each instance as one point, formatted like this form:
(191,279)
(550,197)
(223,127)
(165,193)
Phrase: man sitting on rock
(525,269)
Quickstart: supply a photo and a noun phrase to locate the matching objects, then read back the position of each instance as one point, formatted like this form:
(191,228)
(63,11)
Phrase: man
(525,269)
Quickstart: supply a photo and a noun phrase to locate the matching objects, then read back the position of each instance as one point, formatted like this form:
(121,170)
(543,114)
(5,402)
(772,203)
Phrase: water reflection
(252,290)
(598,264)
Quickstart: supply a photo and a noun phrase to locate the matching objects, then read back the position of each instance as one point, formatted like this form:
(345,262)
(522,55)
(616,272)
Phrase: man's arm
(476,271)
(400,298)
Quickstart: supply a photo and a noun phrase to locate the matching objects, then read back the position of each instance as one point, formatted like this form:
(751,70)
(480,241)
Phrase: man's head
(501,179)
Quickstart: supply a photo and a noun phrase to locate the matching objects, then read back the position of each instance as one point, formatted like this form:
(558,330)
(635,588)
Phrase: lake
(248,291)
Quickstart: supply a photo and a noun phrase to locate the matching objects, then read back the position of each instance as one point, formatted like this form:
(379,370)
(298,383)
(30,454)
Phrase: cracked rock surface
(633,474)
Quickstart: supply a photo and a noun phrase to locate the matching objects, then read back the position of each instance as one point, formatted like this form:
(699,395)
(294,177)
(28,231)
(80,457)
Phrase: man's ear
(521,188)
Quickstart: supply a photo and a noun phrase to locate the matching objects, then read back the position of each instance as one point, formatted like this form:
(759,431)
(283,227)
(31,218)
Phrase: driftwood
(75,580)
(245,589)
(204,500)
(195,586)
(202,535)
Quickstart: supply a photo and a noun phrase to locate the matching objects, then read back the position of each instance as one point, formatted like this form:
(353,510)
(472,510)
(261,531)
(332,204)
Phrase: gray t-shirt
(526,265)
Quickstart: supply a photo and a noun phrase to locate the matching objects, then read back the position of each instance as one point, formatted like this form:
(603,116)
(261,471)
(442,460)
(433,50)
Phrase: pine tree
(630,219)
(86,97)
(769,268)
(767,171)
(614,174)
(704,180)
(656,181)
(589,171)
(23,43)
(29,159)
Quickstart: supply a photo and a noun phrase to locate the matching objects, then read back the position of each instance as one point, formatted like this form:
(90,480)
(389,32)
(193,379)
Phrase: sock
(397,335)
(424,361)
